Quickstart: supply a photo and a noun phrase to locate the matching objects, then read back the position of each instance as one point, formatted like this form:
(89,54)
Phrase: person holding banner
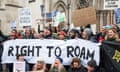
(74,33)
(28,34)
(13,35)
(112,35)
(116,28)
(2,39)
(85,36)
(76,66)
(99,37)
(47,34)
(57,66)
(61,35)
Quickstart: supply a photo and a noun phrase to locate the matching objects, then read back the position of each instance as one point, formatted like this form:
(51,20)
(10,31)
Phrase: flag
(110,56)
(117,15)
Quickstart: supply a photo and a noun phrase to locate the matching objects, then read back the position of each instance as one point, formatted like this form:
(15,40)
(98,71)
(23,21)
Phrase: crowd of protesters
(108,32)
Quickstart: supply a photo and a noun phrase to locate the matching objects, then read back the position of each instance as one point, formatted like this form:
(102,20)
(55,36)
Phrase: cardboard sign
(84,16)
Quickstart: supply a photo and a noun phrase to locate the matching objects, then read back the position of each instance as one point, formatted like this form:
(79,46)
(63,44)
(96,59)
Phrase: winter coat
(80,69)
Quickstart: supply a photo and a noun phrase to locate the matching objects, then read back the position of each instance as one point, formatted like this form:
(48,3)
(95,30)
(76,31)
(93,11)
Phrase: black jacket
(80,69)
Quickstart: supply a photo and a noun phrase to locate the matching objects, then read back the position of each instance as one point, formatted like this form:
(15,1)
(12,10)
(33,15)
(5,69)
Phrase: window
(30,1)
(61,8)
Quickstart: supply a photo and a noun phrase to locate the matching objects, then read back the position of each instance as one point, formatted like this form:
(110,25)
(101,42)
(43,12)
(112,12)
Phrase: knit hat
(40,59)
(62,33)
(92,63)
(75,31)
(108,26)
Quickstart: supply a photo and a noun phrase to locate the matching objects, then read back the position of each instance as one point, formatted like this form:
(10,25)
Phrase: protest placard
(117,15)
(84,16)
(24,16)
(19,66)
(111,4)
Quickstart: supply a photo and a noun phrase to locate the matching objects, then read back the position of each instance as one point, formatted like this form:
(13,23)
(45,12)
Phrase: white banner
(50,49)
(111,4)
(25,16)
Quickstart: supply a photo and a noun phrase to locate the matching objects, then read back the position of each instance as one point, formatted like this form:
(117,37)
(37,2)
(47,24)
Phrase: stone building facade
(8,13)
(103,16)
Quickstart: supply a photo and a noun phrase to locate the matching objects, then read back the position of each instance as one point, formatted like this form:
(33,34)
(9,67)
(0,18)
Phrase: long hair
(60,66)
(75,60)
(115,36)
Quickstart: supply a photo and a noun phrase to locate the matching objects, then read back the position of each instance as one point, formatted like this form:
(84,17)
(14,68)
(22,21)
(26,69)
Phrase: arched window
(82,3)
(60,8)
